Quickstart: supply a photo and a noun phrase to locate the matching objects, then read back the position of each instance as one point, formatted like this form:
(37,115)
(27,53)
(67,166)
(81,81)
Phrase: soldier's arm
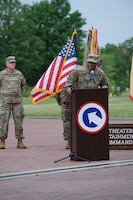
(105,81)
(71,81)
(58,99)
(0,78)
(23,81)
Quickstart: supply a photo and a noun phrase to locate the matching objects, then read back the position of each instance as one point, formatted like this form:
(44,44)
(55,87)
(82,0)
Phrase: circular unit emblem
(91,117)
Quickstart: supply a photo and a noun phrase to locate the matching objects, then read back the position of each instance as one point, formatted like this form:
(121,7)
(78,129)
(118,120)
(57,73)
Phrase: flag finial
(75,27)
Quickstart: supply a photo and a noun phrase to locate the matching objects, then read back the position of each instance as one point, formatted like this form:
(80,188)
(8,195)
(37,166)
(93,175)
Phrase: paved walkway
(33,174)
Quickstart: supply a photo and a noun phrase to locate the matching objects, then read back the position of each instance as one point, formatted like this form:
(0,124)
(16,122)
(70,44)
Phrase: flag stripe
(54,74)
(69,67)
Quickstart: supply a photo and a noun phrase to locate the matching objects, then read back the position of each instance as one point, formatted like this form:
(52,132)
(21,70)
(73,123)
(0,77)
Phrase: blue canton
(72,51)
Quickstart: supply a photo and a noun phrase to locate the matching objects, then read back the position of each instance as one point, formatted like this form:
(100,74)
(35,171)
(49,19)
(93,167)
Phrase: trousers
(66,120)
(17,112)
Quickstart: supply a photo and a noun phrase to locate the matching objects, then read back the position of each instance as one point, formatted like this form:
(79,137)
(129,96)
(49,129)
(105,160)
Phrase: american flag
(54,79)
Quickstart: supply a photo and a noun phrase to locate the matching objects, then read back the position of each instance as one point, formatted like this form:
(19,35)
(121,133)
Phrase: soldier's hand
(59,103)
(69,90)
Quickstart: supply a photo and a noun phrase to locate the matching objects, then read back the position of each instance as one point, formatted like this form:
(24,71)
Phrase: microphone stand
(93,76)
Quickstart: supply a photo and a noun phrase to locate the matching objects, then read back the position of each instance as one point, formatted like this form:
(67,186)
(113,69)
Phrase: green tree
(38,33)
(116,64)
(9,10)
(108,64)
(127,46)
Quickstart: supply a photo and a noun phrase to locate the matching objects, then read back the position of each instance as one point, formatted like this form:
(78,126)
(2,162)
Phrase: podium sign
(121,136)
(89,124)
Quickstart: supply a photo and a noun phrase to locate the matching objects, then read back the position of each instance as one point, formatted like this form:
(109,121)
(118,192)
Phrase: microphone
(93,76)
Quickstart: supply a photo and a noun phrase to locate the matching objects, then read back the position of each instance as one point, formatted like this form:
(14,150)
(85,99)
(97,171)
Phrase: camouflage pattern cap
(93,58)
(10,59)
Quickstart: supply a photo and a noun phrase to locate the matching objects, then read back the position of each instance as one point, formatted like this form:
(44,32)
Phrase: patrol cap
(10,59)
(93,58)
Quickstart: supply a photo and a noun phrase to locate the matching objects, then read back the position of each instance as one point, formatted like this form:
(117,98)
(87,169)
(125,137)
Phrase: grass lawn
(48,108)
(119,107)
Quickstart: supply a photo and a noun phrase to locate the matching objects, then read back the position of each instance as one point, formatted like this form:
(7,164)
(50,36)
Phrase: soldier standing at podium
(91,77)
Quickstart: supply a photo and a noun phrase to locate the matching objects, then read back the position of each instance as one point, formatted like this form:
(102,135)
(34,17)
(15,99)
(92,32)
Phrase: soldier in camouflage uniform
(90,77)
(11,83)
(63,100)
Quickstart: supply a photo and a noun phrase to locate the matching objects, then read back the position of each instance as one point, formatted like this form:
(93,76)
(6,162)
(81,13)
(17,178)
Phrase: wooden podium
(89,124)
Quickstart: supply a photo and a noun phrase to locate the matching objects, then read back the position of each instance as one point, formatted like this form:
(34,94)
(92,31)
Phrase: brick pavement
(44,140)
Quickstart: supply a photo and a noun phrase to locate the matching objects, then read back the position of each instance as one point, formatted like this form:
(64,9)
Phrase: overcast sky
(112,18)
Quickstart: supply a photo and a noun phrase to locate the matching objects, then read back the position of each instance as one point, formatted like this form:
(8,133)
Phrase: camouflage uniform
(63,99)
(82,79)
(11,101)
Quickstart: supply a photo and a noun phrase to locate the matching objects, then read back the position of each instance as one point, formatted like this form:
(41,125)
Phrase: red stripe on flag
(58,74)
(42,80)
(51,74)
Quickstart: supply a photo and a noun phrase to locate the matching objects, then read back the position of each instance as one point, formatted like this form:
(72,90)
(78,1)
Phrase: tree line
(36,33)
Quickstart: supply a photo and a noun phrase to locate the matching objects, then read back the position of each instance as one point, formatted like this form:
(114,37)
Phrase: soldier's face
(91,65)
(10,66)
